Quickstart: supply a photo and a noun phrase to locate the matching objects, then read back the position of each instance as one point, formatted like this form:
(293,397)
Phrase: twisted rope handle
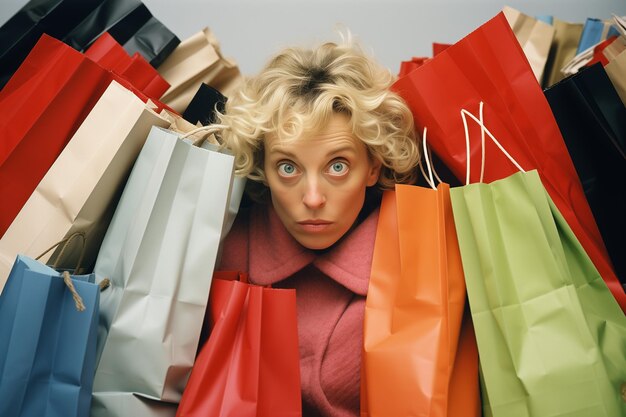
(78,300)
(208,130)
(66,243)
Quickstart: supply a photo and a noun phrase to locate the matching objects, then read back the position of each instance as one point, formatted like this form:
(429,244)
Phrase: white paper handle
(429,178)
(484,130)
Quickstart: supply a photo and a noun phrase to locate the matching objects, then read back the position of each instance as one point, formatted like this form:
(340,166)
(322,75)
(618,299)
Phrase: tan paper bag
(564,44)
(534,36)
(614,48)
(616,70)
(197,60)
(79,192)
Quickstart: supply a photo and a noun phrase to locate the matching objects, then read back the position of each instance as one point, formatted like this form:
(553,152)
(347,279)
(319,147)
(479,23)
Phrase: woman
(319,134)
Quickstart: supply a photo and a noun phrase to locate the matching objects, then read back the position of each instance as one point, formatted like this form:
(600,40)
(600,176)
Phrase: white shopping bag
(159,253)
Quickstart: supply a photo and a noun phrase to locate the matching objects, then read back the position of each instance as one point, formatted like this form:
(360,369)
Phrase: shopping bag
(131,24)
(159,253)
(408,66)
(438,47)
(22,31)
(598,51)
(79,23)
(110,55)
(153,41)
(594,32)
(534,36)
(44,103)
(414,311)
(592,118)
(563,49)
(48,330)
(79,192)
(197,60)
(205,138)
(203,106)
(616,70)
(250,365)
(488,65)
(550,336)
(42,106)
(613,49)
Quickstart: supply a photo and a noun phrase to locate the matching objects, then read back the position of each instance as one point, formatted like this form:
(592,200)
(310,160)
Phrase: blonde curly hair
(299,89)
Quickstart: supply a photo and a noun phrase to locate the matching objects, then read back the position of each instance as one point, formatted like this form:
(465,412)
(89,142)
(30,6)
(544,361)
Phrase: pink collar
(275,255)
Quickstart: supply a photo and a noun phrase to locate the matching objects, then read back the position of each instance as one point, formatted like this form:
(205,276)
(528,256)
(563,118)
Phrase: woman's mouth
(314,225)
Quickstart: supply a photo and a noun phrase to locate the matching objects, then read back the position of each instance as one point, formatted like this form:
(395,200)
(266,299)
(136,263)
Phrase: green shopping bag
(551,337)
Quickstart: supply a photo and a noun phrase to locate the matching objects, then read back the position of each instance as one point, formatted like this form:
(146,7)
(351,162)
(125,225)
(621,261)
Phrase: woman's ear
(374,172)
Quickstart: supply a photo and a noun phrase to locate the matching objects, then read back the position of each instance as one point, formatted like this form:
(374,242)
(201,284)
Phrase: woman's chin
(316,241)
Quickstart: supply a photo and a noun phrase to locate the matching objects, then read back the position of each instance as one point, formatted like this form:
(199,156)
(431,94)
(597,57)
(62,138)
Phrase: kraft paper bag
(159,253)
(534,36)
(616,70)
(79,191)
(566,39)
(197,60)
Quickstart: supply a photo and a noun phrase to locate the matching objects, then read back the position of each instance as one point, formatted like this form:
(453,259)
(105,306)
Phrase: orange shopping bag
(420,356)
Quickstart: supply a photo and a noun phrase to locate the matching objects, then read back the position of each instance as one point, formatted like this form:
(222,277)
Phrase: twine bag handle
(67,279)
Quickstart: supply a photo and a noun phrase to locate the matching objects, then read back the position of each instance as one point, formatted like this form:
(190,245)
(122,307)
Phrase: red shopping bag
(598,52)
(42,106)
(439,47)
(111,55)
(489,65)
(408,66)
(250,365)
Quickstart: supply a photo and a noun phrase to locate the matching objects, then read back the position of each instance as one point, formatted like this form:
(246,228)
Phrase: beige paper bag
(616,70)
(615,48)
(79,192)
(534,36)
(566,38)
(197,60)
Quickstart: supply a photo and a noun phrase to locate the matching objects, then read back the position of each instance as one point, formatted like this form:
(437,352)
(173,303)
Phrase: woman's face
(318,181)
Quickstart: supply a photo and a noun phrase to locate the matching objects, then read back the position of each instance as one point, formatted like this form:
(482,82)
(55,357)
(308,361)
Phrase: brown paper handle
(65,242)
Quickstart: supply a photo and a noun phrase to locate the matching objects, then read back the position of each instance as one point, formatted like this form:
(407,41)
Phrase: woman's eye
(338,168)
(286,169)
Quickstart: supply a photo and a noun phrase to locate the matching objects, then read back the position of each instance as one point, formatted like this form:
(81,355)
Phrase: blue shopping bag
(594,32)
(47,344)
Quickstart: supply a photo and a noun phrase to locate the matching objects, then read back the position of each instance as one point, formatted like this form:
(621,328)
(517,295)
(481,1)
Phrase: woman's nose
(314,197)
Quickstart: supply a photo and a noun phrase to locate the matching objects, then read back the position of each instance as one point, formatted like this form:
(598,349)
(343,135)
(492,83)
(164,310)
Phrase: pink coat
(330,290)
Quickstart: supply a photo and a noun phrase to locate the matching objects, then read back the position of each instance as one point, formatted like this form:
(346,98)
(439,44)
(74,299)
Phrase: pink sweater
(330,292)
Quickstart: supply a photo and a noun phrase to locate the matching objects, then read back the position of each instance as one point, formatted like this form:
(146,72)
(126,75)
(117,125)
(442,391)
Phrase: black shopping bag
(592,120)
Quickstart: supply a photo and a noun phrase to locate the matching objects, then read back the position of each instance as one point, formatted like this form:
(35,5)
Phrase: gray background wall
(392,30)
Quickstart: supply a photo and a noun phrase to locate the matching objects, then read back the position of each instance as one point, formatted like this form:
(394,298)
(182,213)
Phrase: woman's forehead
(337,128)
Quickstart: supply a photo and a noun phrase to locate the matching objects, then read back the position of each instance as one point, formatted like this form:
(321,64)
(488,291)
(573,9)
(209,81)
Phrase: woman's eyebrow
(340,149)
(278,149)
